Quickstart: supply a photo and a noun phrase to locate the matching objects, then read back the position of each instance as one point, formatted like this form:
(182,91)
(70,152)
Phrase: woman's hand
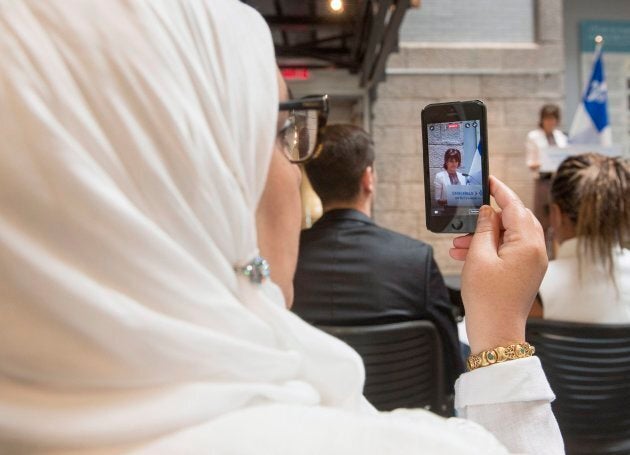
(505,261)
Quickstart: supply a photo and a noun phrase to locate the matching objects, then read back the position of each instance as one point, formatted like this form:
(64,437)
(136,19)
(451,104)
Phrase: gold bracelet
(500,354)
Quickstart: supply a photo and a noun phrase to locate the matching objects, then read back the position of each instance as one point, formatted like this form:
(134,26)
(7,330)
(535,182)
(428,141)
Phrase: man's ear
(368,180)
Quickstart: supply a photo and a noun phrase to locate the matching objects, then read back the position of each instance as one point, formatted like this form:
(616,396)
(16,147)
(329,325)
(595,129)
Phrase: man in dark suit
(351,271)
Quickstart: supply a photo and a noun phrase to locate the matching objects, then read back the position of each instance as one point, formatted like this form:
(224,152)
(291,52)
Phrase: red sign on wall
(295,74)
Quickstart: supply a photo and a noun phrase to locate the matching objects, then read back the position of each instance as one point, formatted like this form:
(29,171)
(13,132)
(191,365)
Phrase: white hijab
(135,138)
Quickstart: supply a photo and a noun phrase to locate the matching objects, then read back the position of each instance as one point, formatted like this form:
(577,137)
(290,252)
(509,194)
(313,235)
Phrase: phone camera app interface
(455,167)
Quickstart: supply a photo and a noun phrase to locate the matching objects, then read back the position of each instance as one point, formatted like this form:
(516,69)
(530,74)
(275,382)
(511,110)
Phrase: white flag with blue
(474,174)
(590,124)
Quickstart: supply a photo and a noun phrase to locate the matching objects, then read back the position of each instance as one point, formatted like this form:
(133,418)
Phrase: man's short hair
(346,151)
(452,154)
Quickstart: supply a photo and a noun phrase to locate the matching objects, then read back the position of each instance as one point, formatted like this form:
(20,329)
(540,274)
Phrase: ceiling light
(336,5)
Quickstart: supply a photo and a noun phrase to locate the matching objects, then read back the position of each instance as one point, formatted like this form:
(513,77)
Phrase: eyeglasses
(300,131)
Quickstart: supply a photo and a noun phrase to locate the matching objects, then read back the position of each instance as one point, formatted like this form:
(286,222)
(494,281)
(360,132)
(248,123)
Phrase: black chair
(403,364)
(588,367)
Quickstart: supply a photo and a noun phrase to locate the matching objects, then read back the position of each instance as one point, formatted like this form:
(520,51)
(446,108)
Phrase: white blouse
(589,295)
(442,180)
(537,143)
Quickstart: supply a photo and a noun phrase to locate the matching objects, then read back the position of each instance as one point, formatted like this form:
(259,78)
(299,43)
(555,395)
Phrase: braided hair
(593,191)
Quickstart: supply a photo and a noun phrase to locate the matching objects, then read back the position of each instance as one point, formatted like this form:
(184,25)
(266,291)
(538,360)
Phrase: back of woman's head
(593,191)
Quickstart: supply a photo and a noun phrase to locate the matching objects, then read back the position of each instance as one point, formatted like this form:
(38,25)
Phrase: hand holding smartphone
(455,153)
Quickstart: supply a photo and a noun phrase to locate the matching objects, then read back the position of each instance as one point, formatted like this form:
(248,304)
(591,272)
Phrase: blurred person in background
(536,144)
(546,135)
(589,281)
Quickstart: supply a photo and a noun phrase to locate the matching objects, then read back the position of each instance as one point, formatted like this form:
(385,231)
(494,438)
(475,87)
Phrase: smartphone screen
(455,142)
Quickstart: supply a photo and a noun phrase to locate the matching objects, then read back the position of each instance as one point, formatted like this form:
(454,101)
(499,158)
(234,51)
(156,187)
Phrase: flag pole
(599,43)
(590,124)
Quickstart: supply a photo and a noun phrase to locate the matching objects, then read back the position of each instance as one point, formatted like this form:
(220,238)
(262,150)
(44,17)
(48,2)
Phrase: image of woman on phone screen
(449,176)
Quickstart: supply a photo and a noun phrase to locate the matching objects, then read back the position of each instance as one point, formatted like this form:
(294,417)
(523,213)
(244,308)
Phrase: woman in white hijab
(136,142)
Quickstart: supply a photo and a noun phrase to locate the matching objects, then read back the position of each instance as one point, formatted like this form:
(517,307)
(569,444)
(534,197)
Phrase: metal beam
(339,59)
(319,41)
(280,14)
(323,51)
(308,21)
(313,12)
(389,43)
(376,33)
(361,25)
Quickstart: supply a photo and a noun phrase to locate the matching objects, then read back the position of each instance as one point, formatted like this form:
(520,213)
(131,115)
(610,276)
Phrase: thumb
(486,238)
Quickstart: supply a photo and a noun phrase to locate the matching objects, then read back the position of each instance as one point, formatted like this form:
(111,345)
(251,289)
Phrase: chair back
(403,364)
(588,367)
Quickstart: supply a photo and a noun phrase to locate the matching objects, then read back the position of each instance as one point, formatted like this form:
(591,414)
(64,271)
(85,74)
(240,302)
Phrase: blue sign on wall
(616,35)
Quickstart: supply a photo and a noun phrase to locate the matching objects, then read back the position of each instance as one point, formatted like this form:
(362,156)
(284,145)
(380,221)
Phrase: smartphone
(455,155)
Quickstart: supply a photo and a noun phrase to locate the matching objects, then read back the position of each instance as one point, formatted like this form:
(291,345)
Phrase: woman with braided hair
(590,214)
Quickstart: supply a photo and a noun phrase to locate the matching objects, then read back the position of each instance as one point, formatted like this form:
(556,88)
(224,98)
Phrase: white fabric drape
(135,138)
(132,159)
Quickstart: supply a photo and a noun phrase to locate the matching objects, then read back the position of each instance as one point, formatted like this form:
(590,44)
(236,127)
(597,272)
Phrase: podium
(551,157)
(464,195)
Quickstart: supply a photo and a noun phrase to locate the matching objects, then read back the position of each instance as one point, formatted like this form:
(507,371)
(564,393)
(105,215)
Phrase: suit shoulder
(316,235)
(403,240)
(307,234)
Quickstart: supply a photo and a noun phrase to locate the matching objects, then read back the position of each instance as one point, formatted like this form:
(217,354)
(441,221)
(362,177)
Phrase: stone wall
(513,80)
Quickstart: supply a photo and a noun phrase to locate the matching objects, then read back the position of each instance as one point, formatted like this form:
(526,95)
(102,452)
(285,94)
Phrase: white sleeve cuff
(507,382)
